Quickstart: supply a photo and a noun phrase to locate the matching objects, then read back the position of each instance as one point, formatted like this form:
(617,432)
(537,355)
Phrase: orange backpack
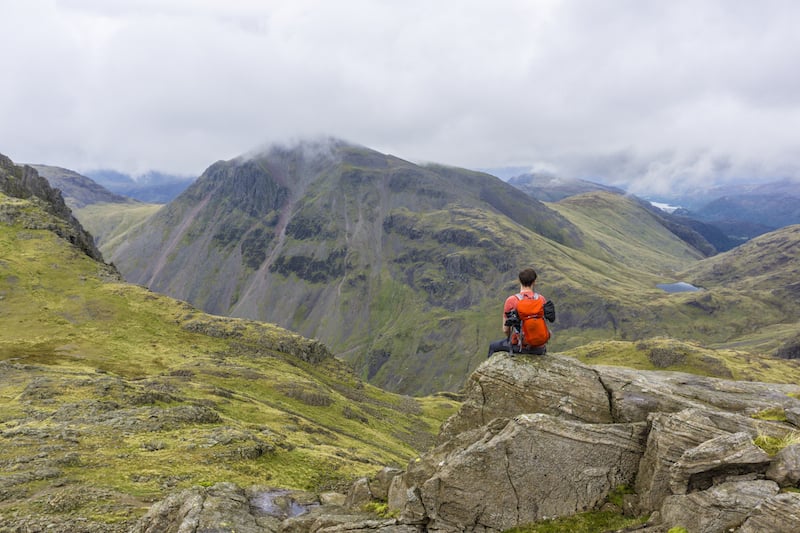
(534,331)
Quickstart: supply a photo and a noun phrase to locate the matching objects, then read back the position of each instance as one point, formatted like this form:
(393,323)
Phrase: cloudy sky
(654,93)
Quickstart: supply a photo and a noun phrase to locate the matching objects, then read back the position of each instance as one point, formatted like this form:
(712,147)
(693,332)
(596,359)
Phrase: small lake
(680,286)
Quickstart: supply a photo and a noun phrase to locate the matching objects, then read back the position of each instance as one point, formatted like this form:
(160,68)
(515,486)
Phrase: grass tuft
(777,414)
(773,445)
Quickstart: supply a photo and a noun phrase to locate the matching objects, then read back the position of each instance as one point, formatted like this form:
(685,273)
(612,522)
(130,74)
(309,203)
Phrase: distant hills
(551,188)
(78,190)
(725,216)
(743,211)
(152,187)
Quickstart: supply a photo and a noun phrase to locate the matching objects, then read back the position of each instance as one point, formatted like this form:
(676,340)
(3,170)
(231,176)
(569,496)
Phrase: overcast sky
(657,93)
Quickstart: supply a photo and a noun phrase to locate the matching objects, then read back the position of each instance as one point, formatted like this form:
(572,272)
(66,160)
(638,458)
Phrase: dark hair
(527,277)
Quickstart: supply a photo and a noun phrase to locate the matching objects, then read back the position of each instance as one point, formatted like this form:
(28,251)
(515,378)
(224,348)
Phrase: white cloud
(651,92)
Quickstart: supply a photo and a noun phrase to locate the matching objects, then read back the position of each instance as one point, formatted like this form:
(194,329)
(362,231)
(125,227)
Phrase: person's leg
(499,346)
(539,350)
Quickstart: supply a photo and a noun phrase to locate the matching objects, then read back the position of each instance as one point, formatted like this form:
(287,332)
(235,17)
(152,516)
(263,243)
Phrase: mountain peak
(343,226)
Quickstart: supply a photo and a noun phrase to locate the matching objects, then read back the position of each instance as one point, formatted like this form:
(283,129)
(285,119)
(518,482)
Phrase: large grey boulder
(505,386)
(536,466)
(672,435)
(405,492)
(359,494)
(380,483)
(205,509)
(717,509)
(779,514)
(701,467)
(634,394)
(785,467)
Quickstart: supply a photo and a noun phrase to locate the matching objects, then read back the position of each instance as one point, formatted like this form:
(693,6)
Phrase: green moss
(773,413)
(772,445)
(617,494)
(381,509)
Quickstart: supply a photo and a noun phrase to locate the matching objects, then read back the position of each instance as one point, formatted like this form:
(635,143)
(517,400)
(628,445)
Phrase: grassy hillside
(109,222)
(113,396)
(617,230)
(767,262)
(692,357)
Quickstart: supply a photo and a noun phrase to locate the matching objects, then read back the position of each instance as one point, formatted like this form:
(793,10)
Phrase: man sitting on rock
(524,317)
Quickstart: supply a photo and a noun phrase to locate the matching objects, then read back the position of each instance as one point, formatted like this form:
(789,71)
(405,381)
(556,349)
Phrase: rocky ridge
(25,182)
(78,190)
(549,437)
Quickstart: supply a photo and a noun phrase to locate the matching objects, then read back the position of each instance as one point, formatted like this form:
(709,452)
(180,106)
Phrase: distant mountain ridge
(78,190)
(744,211)
(153,187)
(724,216)
(551,188)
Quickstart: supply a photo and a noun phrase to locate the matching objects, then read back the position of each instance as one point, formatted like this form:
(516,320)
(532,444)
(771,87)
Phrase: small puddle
(279,504)
(680,286)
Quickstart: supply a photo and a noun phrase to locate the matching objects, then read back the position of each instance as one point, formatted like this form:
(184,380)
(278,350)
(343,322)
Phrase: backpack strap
(521,296)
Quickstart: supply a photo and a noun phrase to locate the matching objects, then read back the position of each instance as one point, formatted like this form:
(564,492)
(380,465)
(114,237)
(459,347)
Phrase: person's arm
(550,311)
(508,306)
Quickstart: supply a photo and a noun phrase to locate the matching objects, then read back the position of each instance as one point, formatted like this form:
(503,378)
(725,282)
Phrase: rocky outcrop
(226,507)
(685,449)
(545,437)
(522,470)
(720,508)
(560,386)
(507,386)
(779,514)
(25,182)
(684,442)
